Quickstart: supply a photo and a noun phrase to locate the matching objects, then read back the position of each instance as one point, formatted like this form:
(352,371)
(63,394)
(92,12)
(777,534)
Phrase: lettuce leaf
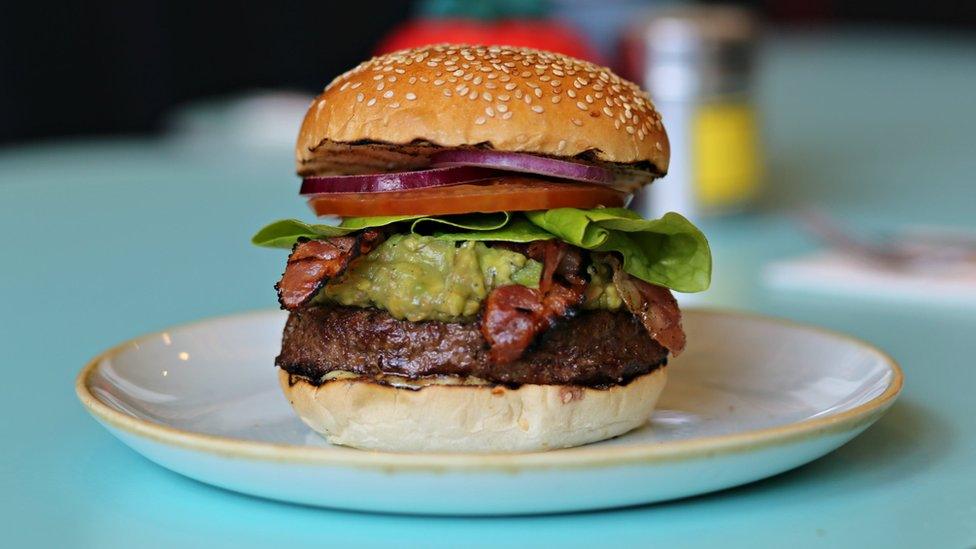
(669,251)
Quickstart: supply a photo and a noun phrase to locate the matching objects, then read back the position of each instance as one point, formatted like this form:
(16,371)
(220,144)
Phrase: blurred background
(133,64)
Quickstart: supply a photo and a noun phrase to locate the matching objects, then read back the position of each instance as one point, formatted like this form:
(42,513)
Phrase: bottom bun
(449,416)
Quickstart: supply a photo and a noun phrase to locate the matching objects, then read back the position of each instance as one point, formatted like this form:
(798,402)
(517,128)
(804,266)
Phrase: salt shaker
(698,64)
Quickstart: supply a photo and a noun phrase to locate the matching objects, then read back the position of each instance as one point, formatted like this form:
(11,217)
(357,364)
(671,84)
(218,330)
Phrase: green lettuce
(669,251)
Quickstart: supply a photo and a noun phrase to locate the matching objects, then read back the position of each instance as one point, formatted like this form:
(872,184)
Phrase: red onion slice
(524,163)
(396,181)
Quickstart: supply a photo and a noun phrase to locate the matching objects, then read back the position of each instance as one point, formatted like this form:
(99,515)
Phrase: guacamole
(415,277)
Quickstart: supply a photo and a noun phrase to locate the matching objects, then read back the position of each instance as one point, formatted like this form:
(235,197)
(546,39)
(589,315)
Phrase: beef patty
(595,348)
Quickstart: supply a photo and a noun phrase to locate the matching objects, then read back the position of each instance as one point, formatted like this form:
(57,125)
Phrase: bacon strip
(313,263)
(654,305)
(515,315)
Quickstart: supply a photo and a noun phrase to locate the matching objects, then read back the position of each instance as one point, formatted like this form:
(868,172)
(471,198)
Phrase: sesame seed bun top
(509,99)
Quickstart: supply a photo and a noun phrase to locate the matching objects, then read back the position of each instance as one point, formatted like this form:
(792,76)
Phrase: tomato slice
(508,194)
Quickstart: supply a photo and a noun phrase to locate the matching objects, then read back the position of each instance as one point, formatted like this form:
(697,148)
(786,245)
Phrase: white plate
(751,397)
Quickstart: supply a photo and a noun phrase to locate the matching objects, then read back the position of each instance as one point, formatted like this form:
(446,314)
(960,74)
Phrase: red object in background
(530,33)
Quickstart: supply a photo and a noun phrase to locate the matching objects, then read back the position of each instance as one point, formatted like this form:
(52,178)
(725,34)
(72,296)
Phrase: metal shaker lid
(689,51)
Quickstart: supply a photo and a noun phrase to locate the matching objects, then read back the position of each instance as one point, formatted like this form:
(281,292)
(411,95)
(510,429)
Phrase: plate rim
(584,456)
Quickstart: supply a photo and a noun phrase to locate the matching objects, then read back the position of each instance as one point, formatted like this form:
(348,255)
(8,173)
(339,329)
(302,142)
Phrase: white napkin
(835,272)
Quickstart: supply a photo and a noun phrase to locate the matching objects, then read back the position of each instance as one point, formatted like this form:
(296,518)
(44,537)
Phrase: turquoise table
(103,240)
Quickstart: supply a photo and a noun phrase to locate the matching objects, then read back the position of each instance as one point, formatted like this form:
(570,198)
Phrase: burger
(478,284)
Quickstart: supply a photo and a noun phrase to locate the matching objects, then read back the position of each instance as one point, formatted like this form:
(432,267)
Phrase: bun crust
(470,418)
(509,99)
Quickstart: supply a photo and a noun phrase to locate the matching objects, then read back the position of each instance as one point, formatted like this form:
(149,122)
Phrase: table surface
(106,239)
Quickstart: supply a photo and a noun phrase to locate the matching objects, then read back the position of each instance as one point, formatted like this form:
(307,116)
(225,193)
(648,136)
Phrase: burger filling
(563,296)
(415,277)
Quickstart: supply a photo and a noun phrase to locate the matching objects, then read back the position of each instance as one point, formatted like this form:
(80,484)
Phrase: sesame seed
(379,87)
(555,83)
(571,92)
(556,98)
(480,120)
(589,98)
(538,92)
(561,145)
(344,86)
(527,98)
(502,107)
(388,94)
(447,92)
(371,102)
(489,111)
(477,81)
(507,115)
(458,72)
(411,96)
(537,108)
(491,85)
(473,95)
(630,129)
(391,78)
(581,105)
(608,112)
(510,86)
(359,97)
(616,124)
(658,146)
(486,96)
(577,121)
(378,77)
(356,85)
(438,82)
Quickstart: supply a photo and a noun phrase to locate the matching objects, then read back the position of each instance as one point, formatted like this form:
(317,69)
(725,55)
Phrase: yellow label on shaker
(725,155)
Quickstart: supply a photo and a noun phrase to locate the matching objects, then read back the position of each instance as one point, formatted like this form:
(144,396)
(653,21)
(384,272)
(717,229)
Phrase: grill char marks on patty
(594,349)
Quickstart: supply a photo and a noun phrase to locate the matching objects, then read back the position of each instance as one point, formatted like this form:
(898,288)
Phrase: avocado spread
(416,277)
